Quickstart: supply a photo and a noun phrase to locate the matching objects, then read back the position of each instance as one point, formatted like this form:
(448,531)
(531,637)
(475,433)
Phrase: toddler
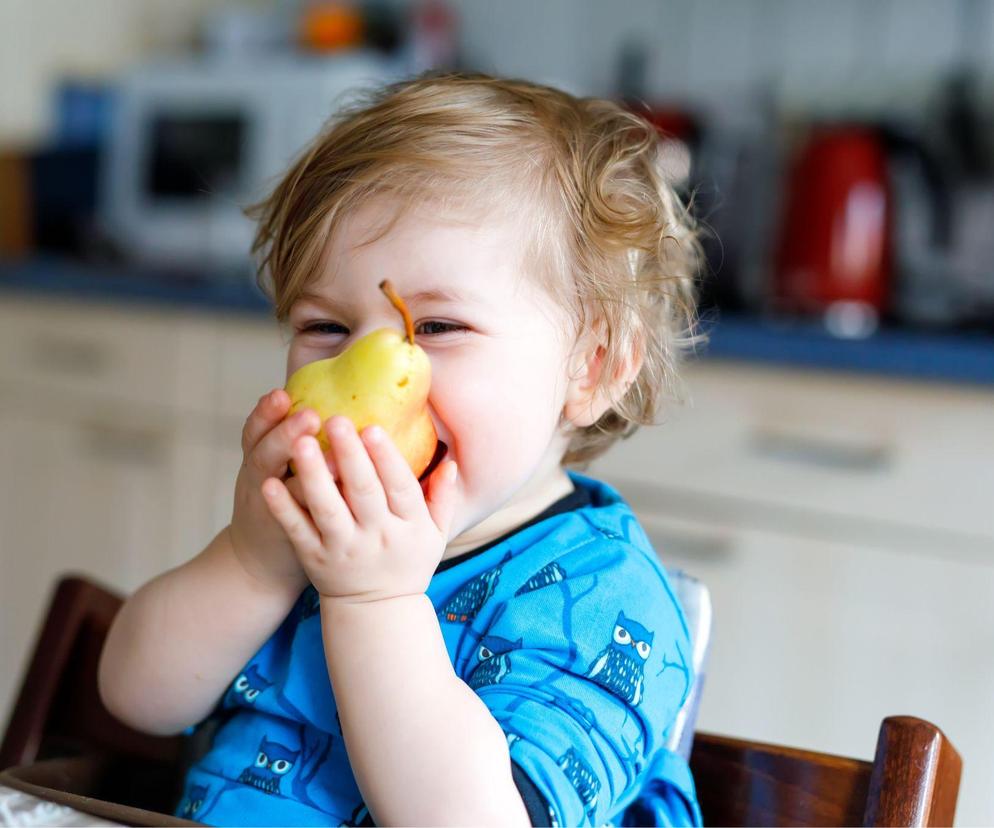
(498,642)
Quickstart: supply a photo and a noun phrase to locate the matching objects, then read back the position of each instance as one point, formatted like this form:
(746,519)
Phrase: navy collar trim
(577,499)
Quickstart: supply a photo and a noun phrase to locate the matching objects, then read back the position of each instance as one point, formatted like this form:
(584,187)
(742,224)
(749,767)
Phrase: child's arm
(179,640)
(424,748)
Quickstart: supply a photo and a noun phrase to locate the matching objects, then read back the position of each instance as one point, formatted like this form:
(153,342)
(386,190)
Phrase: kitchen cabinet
(843,529)
(901,460)
(86,496)
(815,642)
(119,442)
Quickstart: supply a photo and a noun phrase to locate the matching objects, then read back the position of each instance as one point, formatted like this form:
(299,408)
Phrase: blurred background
(829,475)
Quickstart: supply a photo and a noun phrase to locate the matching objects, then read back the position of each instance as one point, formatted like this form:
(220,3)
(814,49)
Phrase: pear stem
(398,303)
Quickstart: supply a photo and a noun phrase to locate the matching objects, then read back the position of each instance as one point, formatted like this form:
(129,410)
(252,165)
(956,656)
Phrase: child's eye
(324,328)
(434,327)
(430,328)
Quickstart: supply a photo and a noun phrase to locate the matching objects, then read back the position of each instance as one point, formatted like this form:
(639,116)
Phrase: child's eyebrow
(429,295)
(439,295)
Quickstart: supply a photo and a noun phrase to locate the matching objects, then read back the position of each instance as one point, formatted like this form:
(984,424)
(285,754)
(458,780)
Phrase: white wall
(43,40)
(819,50)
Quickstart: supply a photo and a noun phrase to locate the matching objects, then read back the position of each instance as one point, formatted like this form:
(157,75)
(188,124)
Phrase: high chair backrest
(665,791)
(696,602)
(913,780)
(58,711)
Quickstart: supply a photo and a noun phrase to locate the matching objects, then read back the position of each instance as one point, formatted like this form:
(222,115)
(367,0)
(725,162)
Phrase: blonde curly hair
(604,231)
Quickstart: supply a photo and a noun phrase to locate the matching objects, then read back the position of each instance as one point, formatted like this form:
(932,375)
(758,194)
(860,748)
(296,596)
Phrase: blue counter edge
(925,355)
(53,276)
(949,357)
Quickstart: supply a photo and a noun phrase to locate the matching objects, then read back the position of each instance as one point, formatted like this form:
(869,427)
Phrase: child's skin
(507,378)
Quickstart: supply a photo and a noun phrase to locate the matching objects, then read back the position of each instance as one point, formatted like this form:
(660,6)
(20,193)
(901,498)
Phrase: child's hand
(379,537)
(259,543)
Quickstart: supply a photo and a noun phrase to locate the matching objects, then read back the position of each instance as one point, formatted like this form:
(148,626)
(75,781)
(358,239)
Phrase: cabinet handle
(821,453)
(133,446)
(69,356)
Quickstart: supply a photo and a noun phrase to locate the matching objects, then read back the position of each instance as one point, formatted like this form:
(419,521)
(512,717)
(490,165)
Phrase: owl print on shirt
(583,780)
(549,574)
(466,603)
(620,666)
(249,685)
(494,660)
(193,801)
(272,763)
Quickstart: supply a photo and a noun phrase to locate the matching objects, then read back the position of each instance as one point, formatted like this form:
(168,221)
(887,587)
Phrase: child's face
(499,345)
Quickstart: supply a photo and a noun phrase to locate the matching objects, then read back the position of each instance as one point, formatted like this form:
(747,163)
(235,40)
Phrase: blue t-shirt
(566,628)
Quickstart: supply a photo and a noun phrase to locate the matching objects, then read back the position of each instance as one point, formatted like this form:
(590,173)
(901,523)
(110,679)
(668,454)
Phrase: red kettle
(835,240)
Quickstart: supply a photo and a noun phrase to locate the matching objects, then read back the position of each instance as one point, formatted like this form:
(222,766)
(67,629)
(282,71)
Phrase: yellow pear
(382,378)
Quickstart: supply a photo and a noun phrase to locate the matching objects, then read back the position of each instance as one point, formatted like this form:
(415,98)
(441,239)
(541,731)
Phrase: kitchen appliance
(194,142)
(834,247)
(879,221)
(944,199)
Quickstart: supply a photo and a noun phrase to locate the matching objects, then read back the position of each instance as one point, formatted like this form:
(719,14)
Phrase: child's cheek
(468,426)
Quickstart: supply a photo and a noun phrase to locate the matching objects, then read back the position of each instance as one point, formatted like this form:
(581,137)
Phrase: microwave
(193,143)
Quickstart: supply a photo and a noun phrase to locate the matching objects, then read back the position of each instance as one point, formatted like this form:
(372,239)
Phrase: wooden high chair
(62,744)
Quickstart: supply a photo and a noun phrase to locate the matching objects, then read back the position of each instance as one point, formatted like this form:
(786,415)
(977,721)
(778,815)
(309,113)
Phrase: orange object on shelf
(16,231)
(325,27)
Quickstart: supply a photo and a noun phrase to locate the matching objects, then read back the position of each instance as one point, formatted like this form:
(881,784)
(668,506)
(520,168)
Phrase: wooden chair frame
(913,780)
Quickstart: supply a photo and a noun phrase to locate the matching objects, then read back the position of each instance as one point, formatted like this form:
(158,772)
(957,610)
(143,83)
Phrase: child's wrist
(288,585)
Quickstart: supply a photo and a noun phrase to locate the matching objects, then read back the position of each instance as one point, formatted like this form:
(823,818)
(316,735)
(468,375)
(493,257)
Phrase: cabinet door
(226,459)
(830,448)
(251,356)
(80,495)
(814,643)
(201,490)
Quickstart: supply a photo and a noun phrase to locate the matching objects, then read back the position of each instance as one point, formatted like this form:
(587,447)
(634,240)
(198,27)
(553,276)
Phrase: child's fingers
(296,490)
(441,498)
(403,492)
(272,453)
(268,411)
(360,483)
(328,510)
(294,520)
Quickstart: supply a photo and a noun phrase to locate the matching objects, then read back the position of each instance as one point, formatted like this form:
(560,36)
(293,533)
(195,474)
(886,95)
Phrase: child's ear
(586,398)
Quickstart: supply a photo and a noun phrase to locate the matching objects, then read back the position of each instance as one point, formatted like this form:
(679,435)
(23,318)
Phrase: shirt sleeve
(585,664)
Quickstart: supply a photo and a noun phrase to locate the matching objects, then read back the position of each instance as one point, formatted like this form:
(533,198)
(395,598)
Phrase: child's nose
(373,323)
